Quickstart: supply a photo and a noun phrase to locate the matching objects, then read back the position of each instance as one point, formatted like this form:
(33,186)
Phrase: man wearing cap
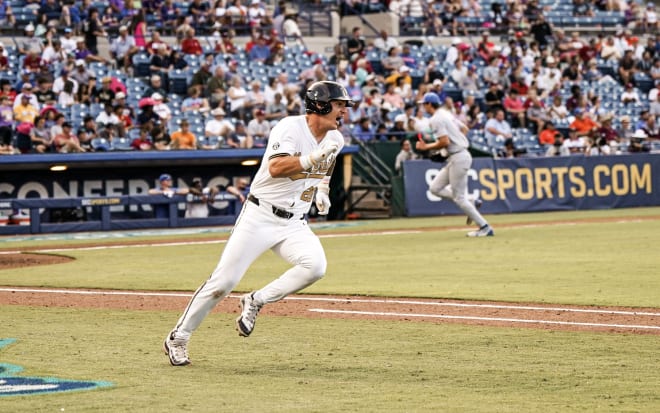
(68,41)
(167,189)
(104,94)
(161,63)
(30,43)
(259,127)
(162,110)
(398,131)
(81,73)
(123,48)
(60,81)
(53,53)
(218,126)
(582,123)
(27,92)
(453,53)
(448,135)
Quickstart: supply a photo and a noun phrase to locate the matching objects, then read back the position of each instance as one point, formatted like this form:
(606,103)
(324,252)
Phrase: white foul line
(334,299)
(508,320)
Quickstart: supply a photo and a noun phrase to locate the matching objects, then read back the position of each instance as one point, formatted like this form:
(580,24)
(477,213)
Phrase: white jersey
(444,123)
(292,136)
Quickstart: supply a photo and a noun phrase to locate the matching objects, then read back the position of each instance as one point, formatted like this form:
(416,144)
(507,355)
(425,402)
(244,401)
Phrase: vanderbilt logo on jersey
(276,146)
(318,171)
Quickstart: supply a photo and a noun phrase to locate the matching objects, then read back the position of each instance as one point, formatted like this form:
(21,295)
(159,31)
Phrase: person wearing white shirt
(58,84)
(259,127)
(497,126)
(453,52)
(27,90)
(123,48)
(385,42)
(68,41)
(218,127)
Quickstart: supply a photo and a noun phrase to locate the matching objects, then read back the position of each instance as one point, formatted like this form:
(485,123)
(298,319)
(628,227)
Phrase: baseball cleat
(477,204)
(249,310)
(485,231)
(176,350)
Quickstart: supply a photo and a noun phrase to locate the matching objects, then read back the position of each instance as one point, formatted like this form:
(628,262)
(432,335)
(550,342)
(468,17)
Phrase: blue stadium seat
(141,62)
(179,82)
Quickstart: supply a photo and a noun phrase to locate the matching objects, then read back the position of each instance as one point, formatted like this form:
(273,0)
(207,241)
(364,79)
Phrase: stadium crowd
(535,91)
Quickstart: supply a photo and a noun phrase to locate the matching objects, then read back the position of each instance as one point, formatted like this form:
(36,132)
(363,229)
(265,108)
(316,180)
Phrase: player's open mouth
(338,120)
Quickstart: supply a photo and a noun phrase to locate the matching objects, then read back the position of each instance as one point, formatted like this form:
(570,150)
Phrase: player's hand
(318,156)
(322,203)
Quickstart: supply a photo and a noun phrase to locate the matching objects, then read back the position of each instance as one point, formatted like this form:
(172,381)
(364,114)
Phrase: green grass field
(321,365)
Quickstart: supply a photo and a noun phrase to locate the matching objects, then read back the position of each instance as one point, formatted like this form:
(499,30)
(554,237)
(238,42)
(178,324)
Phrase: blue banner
(542,184)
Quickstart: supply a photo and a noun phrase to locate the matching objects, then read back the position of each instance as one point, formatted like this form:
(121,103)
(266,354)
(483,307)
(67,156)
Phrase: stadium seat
(121,144)
(141,64)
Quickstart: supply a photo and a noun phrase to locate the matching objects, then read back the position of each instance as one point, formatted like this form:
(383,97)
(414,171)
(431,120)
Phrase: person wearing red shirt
(515,108)
(190,45)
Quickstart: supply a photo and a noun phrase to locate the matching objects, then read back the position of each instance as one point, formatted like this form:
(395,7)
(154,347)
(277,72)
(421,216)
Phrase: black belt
(276,211)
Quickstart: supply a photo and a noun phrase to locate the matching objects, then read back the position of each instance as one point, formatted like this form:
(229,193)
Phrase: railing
(96,214)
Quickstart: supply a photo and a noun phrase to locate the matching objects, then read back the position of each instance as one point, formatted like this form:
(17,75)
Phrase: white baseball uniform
(451,181)
(272,218)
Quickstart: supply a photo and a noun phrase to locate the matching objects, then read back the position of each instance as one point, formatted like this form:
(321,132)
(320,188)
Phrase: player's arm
(285,165)
(441,142)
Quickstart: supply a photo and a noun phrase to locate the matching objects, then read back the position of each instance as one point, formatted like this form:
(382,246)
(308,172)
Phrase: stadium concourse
(608,70)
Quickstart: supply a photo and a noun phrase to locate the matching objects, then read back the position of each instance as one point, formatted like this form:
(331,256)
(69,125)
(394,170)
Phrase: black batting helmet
(320,94)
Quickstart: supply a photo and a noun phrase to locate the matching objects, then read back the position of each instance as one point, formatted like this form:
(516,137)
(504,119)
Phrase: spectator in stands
(67,142)
(101,95)
(260,52)
(155,86)
(218,126)
(67,41)
(575,144)
(630,95)
(236,96)
(109,19)
(93,28)
(536,114)
(356,44)
(497,126)
(6,14)
(548,135)
(162,110)
(494,98)
(161,63)
(143,141)
(108,119)
(582,8)
(259,127)
(515,109)
(398,131)
(606,131)
(44,93)
(195,102)
(240,138)
(123,48)
(541,30)
(40,136)
(6,120)
(654,104)
(405,154)
(558,148)
(26,92)
(138,29)
(582,124)
(169,13)
(364,130)
(275,110)
(610,51)
(183,139)
(30,44)
(202,76)
(645,64)
(82,52)
(384,41)
(626,68)
(624,132)
(190,44)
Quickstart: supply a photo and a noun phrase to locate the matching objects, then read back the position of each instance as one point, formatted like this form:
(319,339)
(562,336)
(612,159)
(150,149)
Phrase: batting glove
(317,156)
(323,196)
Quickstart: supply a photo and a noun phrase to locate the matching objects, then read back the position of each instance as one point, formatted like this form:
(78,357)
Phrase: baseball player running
(451,181)
(298,162)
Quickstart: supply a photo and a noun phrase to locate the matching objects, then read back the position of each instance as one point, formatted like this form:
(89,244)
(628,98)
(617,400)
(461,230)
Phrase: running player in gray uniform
(451,181)
(298,162)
